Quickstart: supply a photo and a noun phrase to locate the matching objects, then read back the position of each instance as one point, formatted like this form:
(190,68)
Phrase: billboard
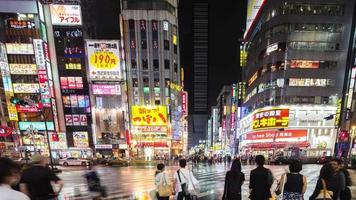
(41,126)
(269,119)
(66,15)
(19,48)
(26,87)
(23,69)
(105,89)
(295,135)
(103,57)
(253,6)
(81,139)
(305,64)
(149,116)
(58,140)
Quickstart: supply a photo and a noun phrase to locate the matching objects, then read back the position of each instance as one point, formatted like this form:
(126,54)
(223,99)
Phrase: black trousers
(182,197)
(161,198)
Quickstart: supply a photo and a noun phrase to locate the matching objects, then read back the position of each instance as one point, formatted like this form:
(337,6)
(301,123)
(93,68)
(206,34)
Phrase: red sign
(152,144)
(128,138)
(232,121)
(185,103)
(46,51)
(265,135)
(304,64)
(5,131)
(273,118)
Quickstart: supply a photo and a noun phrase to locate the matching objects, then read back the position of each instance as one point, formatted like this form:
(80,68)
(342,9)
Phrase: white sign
(310,82)
(26,87)
(66,15)
(103,59)
(39,53)
(23,69)
(123,146)
(103,146)
(19,48)
(271,48)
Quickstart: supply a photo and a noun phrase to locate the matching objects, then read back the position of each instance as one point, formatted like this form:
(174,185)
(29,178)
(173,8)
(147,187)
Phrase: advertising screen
(66,15)
(273,118)
(99,89)
(81,139)
(149,115)
(103,59)
(58,140)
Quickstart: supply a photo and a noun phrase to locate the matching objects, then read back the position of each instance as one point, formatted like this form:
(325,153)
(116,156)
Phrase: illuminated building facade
(297,54)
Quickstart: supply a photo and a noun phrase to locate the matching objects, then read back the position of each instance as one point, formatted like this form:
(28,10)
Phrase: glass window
(166,64)
(145,82)
(144,64)
(134,82)
(133,64)
(143,44)
(155,64)
(166,44)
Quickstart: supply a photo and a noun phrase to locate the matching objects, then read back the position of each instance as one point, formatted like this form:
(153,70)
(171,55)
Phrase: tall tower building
(153,75)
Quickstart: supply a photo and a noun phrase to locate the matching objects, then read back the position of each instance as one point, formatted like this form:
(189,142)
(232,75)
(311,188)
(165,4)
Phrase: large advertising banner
(272,118)
(66,15)
(81,139)
(103,57)
(253,6)
(149,116)
(296,135)
(58,140)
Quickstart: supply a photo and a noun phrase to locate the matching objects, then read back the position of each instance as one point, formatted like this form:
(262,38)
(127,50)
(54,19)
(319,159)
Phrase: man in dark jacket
(261,180)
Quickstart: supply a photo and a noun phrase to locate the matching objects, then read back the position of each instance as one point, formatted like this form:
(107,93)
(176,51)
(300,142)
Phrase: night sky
(226,24)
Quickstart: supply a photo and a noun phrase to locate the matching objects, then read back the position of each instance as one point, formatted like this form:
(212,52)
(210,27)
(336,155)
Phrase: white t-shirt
(161,178)
(184,176)
(6,193)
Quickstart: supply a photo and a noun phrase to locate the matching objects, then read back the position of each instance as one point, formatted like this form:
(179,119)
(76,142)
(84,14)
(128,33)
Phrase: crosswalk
(135,183)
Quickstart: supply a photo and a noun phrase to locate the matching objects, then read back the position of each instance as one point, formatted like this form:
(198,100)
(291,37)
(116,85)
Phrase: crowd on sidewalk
(333,183)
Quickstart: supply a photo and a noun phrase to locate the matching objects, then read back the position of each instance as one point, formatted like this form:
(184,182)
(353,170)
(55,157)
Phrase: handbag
(193,186)
(279,189)
(184,186)
(324,194)
(164,189)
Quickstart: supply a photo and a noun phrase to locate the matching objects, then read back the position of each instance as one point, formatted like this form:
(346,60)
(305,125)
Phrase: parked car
(324,159)
(121,162)
(71,161)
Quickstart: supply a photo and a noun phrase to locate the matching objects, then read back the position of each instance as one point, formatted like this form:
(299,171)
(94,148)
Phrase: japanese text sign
(81,139)
(66,15)
(149,116)
(274,118)
(299,135)
(103,59)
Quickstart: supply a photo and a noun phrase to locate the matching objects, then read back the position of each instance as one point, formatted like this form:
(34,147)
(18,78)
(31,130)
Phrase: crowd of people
(332,184)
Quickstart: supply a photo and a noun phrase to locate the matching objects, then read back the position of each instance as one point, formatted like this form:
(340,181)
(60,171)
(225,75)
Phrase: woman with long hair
(233,182)
(325,182)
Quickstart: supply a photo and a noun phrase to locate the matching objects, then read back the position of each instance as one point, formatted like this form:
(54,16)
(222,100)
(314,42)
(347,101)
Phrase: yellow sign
(149,115)
(12,112)
(104,60)
(175,87)
(338,112)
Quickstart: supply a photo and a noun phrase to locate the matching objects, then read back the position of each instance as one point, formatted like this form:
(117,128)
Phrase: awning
(151,144)
(278,145)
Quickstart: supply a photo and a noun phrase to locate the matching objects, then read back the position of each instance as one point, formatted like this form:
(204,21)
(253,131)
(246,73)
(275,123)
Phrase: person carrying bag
(163,188)
(324,194)
(186,185)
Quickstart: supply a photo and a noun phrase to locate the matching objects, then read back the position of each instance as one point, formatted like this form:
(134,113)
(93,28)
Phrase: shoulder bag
(324,194)
(183,185)
(280,189)
(163,188)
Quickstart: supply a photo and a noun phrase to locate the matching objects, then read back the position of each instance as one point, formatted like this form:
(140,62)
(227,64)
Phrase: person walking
(36,180)
(162,183)
(325,186)
(261,180)
(9,176)
(293,184)
(342,180)
(233,182)
(186,185)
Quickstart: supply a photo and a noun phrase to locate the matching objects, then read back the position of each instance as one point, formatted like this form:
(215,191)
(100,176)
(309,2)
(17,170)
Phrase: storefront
(281,130)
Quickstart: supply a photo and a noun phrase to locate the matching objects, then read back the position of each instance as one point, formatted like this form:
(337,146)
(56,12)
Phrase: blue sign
(36,125)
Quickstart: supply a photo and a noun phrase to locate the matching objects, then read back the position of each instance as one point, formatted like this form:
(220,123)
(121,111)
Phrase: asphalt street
(134,182)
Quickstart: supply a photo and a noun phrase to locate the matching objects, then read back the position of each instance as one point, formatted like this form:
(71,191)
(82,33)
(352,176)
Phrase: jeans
(181,196)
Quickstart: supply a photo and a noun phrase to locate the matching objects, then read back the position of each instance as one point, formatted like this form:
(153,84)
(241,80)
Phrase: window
(166,64)
(156,82)
(166,44)
(144,64)
(134,82)
(175,67)
(175,49)
(145,82)
(157,102)
(133,64)
(143,44)
(155,64)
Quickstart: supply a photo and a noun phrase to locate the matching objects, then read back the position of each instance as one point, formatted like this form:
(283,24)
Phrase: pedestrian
(342,179)
(94,183)
(9,176)
(186,185)
(261,180)
(233,182)
(293,184)
(163,186)
(325,186)
(36,180)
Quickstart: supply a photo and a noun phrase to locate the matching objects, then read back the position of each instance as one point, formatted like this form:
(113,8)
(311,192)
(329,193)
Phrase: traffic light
(15,100)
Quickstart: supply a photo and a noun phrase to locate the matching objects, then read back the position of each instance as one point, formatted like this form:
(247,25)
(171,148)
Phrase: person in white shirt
(182,181)
(161,178)
(10,175)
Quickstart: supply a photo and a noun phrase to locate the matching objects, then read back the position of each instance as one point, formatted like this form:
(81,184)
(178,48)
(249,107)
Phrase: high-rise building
(153,76)
(297,54)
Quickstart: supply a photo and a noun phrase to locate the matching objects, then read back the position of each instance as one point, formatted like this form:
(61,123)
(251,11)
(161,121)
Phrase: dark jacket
(233,183)
(330,185)
(260,183)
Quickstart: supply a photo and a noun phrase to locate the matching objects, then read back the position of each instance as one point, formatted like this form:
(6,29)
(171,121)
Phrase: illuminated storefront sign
(310,82)
(101,89)
(66,15)
(253,78)
(304,64)
(20,24)
(103,59)
(40,56)
(274,118)
(19,48)
(41,126)
(25,69)
(253,6)
(26,87)
(81,139)
(76,120)
(174,86)
(338,112)
(297,135)
(271,48)
(185,103)
(150,129)
(351,88)
(149,115)
(72,82)
(73,66)
(58,140)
